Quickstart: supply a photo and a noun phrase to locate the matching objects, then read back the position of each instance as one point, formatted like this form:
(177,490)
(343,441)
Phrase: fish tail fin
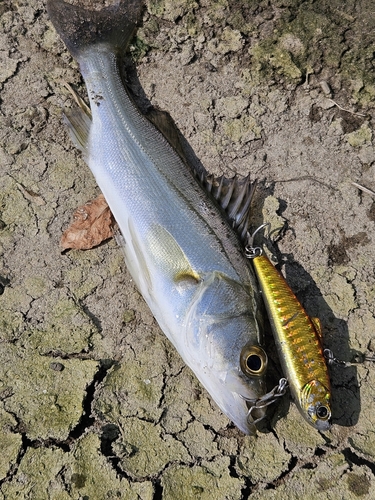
(81,28)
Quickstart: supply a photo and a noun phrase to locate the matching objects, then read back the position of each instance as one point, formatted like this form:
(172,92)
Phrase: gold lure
(298,339)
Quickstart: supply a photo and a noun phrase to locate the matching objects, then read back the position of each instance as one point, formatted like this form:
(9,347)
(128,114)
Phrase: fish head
(253,364)
(241,388)
(315,405)
(222,346)
(235,381)
(231,367)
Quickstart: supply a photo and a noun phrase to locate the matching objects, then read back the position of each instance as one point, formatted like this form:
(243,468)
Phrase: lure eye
(323,412)
(253,360)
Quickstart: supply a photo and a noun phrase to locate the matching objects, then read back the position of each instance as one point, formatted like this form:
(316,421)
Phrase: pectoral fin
(170,257)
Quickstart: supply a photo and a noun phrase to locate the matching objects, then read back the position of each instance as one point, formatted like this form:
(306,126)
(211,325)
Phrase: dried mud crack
(285,91)
(86,422)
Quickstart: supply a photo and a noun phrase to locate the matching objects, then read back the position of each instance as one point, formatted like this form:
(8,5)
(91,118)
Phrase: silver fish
(183,255)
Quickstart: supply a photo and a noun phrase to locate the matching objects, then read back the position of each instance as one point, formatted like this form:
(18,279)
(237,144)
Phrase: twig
(362,188)
(346,110)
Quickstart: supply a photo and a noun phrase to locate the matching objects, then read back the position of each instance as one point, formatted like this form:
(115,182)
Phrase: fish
(298,340)
(182,251)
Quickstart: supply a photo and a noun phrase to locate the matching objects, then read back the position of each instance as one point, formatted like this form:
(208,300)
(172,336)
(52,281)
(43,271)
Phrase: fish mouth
(257,408)
(249,419)
(255,415)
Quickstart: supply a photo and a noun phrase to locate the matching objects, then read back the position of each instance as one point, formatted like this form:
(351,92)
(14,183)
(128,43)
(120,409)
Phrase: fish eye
(253,360)
(322,412)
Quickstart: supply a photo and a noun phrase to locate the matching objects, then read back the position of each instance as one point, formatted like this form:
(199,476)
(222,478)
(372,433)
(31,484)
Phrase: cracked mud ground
(94,401)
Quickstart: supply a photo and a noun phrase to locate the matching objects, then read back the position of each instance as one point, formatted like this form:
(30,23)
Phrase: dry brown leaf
(92,224)
(31,195)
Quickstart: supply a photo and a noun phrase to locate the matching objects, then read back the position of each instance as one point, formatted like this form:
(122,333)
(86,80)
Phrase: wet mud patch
(340,253)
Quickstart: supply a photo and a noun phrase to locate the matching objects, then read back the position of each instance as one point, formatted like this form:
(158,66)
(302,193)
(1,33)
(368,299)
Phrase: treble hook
(332,360)
(266,400)
(250,251)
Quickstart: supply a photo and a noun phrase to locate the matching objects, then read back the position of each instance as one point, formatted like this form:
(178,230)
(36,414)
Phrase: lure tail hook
(332,360)
(250,250)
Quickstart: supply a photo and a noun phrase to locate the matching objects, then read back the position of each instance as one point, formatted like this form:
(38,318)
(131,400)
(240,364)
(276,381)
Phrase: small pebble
(57,367)
(326,88)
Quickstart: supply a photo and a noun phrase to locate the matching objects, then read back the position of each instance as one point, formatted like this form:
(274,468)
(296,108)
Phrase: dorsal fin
(234,196)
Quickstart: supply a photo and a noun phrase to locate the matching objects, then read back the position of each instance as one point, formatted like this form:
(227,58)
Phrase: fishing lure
(298,340)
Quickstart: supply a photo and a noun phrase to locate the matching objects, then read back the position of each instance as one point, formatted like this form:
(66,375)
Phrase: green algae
(132,388)
(10,442)
(68,329)
(360,137)
(16,298)
(63,173)
(242,130)
(211,480)
(52,474)
(310,39)
(38,476)
(128,316)
(171,10)
(264,467)
(139,48)
(268,58)
(357,68)
(228,41)
(217,12)
(92,476)
(88,274)
(11,323)
(35,286)
(156,7)
(46,401)
(144,450)
(16,210)
(82,280)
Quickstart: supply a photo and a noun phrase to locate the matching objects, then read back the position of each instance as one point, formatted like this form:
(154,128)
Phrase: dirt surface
(94,401)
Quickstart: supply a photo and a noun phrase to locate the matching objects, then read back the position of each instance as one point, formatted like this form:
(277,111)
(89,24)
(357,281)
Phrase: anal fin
(78,121)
